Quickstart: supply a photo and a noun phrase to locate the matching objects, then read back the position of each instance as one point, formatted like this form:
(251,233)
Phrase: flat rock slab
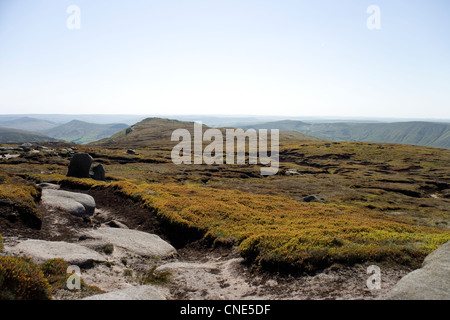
(138,242)
(431,282)
(77,204)
(179,266)
(40,251)
(146,292)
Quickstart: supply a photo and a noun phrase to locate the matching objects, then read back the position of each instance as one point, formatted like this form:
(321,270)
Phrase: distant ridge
(28,124)
(10,135)
(420,133)
(84,132)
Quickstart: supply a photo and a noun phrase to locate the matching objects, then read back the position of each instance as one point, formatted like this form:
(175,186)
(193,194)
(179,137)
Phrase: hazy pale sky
(283,57)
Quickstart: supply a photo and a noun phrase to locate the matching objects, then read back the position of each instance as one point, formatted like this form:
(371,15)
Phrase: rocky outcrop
(79,166)
(99,173)
(40,251)
(137,242)
(146,292)
(77,204)
(431,282)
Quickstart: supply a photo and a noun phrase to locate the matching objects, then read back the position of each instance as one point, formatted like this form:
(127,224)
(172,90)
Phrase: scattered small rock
(313,198)
(291,172)
(46,185)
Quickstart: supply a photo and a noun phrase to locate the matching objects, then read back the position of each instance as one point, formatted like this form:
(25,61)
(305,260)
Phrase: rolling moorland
(418,133)
(375,202)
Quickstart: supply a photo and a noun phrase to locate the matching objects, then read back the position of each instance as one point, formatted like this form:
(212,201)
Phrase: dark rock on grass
(312,198)
(79,166)
(131,151)
(99,173)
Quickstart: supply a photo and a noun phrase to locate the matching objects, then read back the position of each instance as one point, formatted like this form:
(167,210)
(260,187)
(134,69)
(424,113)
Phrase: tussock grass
(21,195)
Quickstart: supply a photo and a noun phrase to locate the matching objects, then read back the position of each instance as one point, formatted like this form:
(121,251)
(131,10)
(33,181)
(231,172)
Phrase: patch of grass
(21,279)
(128,273)
(1,243)
(159,278)
(22,196)
(108,248)
(55,271)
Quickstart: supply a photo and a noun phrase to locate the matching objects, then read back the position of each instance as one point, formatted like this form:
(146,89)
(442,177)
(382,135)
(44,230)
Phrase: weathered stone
(145,292)
(79,166)
(431,282)
(138,242)
(99,172)
(131,151)
(77,204)
(40,251)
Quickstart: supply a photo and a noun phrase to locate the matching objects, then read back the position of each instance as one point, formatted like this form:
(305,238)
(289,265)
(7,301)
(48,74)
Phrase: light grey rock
(40,251)
(79,166)
(431,282)
(145,292)
(291,172)
(138,242)
(77,204)
(180,266)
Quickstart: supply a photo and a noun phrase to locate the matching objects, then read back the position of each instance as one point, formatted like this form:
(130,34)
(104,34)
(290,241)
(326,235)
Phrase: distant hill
(420,133)
(157,132)
(148,132)
(28,124)
(84,132)
(10,135)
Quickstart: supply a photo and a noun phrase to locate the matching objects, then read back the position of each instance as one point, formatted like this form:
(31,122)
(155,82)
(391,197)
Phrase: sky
(230,57)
